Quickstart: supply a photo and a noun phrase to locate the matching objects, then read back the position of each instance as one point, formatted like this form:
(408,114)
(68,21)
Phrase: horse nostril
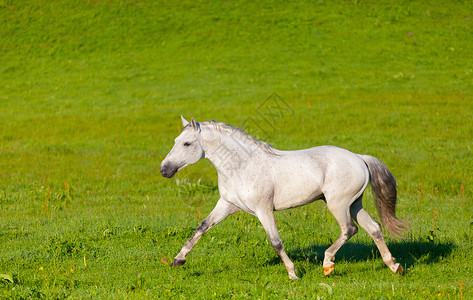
(164,169)
(168,170)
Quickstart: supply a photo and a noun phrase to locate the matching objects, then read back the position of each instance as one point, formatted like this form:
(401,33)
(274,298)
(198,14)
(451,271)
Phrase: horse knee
(349,231)
(203,226)
(352,230)
(277,245)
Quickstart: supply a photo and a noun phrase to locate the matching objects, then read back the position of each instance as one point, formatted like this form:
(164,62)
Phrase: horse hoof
(293,277)
(398,269)
(328,270)
(178,262)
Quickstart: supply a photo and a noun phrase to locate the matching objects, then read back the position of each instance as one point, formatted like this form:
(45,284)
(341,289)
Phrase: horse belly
(294,193)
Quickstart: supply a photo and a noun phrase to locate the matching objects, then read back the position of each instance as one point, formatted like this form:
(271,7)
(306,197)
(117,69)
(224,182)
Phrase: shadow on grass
(406,252)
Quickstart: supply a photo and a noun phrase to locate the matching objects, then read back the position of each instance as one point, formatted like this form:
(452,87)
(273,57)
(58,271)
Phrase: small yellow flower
(41,268)
(439,294)
(72,270)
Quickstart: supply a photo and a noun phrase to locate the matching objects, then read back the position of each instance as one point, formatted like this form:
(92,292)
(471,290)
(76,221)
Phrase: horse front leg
(269,224)
(222,210)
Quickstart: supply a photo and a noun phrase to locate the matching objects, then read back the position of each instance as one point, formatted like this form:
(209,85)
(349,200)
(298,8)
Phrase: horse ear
(194,124)
(184,121)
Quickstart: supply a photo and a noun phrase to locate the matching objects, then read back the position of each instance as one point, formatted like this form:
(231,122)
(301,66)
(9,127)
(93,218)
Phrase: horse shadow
(408,253)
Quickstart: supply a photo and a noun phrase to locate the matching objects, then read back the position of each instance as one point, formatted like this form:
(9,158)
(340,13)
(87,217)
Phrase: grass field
(90,98)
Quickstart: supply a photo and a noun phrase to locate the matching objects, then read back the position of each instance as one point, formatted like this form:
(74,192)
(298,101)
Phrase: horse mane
(224,127)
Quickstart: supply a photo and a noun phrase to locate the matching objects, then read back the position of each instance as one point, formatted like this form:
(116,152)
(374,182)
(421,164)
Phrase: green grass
(90,98)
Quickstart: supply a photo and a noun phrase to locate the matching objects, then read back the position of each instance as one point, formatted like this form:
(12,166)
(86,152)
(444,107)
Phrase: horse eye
(187,144)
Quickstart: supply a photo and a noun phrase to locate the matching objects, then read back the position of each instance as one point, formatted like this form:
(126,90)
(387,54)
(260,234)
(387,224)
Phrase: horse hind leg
(348,229)
(361,216)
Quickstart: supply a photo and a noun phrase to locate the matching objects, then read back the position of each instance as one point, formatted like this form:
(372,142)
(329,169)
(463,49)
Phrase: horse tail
(383,185)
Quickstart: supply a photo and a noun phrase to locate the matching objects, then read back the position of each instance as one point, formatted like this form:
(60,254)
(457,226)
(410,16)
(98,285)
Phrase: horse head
(187,150)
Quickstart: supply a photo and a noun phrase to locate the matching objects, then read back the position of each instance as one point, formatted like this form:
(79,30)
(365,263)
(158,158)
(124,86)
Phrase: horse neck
(227,151)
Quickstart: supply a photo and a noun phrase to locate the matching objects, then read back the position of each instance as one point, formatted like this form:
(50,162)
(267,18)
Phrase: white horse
(259,179)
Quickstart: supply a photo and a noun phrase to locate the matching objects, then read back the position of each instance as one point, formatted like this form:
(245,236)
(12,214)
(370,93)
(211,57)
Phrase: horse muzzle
(168,170)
